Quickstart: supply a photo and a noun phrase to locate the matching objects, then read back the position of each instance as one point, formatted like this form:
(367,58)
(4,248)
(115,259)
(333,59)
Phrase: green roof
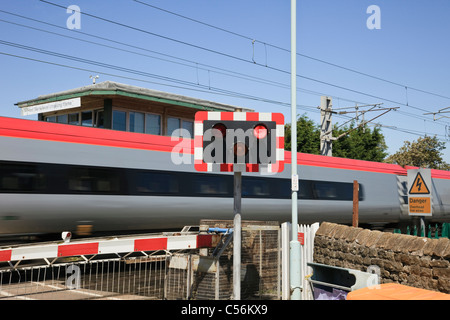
(119,89)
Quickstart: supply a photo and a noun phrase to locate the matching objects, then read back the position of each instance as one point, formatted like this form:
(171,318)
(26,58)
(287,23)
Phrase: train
(60,177)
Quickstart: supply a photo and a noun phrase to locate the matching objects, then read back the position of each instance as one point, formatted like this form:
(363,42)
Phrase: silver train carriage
(56,177)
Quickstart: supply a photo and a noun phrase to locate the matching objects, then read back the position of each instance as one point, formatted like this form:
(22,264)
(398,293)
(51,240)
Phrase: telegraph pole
(294,245)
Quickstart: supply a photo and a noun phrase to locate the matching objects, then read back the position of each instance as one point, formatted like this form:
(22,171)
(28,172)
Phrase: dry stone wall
(409,260)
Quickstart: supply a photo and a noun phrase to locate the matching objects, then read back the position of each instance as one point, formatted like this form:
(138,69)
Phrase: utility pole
(326,131)
(294,245)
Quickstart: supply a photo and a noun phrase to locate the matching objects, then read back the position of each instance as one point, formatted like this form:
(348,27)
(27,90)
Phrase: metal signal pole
(237,236)
(294,245)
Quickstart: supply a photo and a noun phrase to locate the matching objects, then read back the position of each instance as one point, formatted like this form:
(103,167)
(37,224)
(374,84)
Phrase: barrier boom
(115,245)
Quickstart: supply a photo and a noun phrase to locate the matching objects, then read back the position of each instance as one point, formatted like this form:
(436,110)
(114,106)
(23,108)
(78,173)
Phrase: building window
(177,123)
(131,121)
(140,122)
(99,119)
(74,118)
(86,118)
(62,118)
(189,126)
(119,120)
(136,122)
(172,125)
(152,123)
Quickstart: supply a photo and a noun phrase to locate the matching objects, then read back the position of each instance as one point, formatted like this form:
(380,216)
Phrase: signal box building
(117,106)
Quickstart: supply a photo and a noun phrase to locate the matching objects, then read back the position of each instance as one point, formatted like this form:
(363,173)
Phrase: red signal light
(221,127)
(260,131)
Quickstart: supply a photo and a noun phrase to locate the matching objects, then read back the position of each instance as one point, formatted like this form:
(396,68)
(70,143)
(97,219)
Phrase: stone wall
(409,260)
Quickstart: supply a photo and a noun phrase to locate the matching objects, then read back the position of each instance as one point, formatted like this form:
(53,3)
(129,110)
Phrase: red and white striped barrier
(116,245)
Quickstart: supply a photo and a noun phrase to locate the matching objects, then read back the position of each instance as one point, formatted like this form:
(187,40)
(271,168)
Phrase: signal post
(238,142)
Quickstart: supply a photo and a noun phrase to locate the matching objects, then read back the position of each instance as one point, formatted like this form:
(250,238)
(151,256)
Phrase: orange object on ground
(395,291)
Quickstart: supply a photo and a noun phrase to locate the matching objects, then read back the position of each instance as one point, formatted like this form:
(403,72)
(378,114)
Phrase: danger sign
(419,194)
(420,206)
(419,186)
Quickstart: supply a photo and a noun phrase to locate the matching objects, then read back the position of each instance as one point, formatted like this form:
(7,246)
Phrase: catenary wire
(288,51)
(216,90)
(242,59)
(354,91)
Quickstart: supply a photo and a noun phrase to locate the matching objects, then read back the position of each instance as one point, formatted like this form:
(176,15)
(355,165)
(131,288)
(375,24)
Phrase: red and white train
(55,177)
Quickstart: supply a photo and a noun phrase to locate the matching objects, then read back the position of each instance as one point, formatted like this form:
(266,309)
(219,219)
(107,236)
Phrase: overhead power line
(440,112)
(153,33)
(239,58)
(218,90)
(406,87)
(208,89)
(172,59)
(167,58)
(205,90)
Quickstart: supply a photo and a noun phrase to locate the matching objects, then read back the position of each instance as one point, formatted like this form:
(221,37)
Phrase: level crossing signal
(239,141)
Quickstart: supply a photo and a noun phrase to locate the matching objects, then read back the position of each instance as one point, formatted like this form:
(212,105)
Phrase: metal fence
(436,231)
(260,264)
(117,278)
(194,272)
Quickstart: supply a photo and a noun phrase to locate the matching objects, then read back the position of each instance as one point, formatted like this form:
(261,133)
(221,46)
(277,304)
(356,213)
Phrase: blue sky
(399,65)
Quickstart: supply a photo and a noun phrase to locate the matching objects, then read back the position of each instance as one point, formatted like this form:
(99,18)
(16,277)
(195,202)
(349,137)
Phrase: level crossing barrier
(127,267)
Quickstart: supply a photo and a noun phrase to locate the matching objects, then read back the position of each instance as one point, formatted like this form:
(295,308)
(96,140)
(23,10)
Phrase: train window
(283,188)
(152,182)
(210,185)
(152,123)
(21,178)
(255,187)
(328,190)
(50,119)
(325,190)
(93,180)
(305,189)
(320,190)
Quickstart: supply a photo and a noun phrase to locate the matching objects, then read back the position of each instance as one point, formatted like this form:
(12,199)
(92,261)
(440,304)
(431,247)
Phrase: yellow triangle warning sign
(419,186)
